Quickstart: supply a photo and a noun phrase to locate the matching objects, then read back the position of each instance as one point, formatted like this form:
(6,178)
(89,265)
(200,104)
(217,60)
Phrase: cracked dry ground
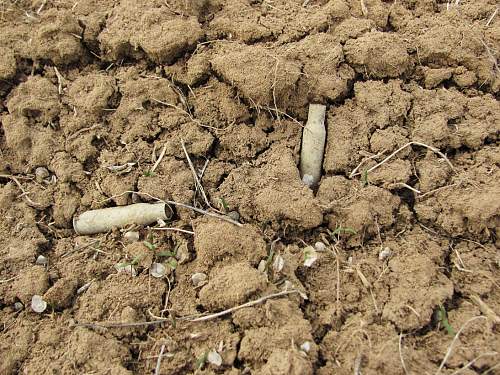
(89,84)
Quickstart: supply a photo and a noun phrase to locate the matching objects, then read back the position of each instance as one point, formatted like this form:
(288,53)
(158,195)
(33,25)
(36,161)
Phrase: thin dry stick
(450,348)
(158,362)
(248,304)
(492,16)
(160,158)
(24,192)
(167,202)
(410,187)
(353,173)
(187,319)
(77,133)
(60,80)
(197,182)
(186,113)
(465,367)
(175,230)
(433,149)
(401,353)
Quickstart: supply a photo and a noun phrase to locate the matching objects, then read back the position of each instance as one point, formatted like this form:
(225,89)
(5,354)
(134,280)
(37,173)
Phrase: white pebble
(306,346)
(131,236)
(41,260)
(214,358)
(18,306)
(262,266)
(320,246)
(384,254)
(199,279)
(157,270)
(41,173)
(38,304)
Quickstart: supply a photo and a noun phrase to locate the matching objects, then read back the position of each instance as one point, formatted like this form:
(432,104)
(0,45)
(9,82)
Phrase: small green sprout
(443,318)
(364,178)
(149,245)
(224,204)
(148,173)
(200,362)
(340,230)
(132,263)
(172,262)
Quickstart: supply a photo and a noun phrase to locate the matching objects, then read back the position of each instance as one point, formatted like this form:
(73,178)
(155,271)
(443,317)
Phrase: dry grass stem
(466,366)
(401,354)
(175,230)
(187,319)
(492,16)
(199,186)
(60,80)
(433,149)
(450,348)
(485,309)
(353,173)
(158,362)
(160,158)
(24,192)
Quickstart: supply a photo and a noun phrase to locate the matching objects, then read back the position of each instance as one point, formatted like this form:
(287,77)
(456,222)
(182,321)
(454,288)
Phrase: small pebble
(41,260)
(234,215)
(41,173)
(306,346)
(131,236)
(384,254)
(157,270)
(18,306)
(214,358)
(262,266)
(320,246)
(38,304)
(198,279)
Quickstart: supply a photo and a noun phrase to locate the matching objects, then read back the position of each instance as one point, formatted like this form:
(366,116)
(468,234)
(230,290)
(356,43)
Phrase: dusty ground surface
(90,84)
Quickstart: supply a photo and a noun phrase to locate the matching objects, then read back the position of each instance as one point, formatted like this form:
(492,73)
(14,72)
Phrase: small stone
(157,270)
(320,246)
(199,279)
(214,358)
(38,305)
(83,288)
(18,306)
(278,263)
(41,173)
(384,254)
(182,254)
(234,215)
(306,346)
(41,260)
(131,236)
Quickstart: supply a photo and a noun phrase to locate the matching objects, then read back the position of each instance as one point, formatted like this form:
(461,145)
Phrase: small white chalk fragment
(214,358)
(157,270)
(127,268)
(320,246)
(384,254)
(18,306)
(103,220)
(41,173)
(306,346)
(199,279)
(131,236)
(38,305)
(41,260)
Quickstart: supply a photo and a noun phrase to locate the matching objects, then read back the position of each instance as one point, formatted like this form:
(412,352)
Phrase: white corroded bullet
(313,145)
(103,220)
